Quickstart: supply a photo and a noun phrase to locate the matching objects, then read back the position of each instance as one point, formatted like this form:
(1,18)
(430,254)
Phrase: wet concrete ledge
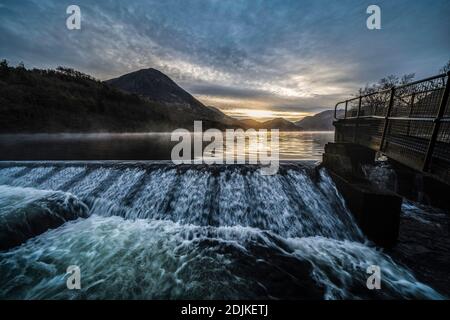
(420,187)
(149,165)
(376,211)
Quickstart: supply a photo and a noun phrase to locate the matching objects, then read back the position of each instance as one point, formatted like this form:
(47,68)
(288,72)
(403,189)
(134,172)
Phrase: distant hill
(155,85)
(278,123)
(322,121)
(250,123)
(159,88)
(281,124)
(65,100)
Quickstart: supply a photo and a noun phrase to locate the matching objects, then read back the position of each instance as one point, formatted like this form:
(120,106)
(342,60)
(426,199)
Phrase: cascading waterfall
(27,212)
(161,231)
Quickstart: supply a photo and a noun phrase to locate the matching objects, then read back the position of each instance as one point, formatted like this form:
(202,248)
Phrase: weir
(410,125)
(186,231)
(210,195)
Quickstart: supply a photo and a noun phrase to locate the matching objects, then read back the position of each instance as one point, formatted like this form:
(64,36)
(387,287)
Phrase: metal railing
(408,123)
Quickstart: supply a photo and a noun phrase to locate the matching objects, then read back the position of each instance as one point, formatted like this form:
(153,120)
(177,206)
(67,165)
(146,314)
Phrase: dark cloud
(227,91)
(299,54)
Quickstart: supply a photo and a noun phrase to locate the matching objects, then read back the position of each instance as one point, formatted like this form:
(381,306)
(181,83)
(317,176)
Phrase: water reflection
(141,146)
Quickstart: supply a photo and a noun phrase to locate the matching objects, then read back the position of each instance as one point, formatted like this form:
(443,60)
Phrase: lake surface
(138,146)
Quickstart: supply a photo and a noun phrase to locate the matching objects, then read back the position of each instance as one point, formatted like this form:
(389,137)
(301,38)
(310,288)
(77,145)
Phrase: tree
(445,68)
(377,94)
(4,68)
(4,64)
(387,82)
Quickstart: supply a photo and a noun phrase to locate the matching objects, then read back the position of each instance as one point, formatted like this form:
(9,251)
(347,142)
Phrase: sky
(250,58)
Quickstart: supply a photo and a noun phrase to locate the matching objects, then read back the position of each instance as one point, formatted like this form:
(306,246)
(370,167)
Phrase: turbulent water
(158,231)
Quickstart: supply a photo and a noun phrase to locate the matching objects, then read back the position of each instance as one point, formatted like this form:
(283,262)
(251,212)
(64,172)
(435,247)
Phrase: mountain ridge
(66,100)
(157,87)
(276,123)
(322,121)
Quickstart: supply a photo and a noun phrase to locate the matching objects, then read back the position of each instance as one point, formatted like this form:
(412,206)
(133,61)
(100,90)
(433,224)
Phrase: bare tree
(445,68)
(4,65)
(387,82)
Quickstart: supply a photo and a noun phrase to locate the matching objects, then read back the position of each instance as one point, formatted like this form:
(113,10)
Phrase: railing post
(374,113)
(345,112)
(359,107)
(386,118)
(437,122)
(355,132)
(410,113)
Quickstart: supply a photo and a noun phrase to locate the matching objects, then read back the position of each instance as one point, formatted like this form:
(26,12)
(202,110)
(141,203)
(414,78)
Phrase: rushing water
(158,231)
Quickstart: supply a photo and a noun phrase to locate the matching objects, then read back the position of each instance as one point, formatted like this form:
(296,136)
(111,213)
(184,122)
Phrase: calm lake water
(138,146)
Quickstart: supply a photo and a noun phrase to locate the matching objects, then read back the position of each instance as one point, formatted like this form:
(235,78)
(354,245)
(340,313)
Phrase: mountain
(154,85)
(278,123)
(250,123)
(281,124)
(322,121)
(183,108)
(66,100)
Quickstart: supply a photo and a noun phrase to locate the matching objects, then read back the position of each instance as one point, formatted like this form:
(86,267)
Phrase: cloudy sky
(258,58)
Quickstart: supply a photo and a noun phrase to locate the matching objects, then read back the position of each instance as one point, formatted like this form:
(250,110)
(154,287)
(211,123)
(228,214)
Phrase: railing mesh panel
(375,104)
(352,108)
(418,100)
(415,111)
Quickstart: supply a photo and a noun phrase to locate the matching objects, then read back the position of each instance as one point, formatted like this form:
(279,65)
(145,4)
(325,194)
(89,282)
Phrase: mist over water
(157,231)
(137,146)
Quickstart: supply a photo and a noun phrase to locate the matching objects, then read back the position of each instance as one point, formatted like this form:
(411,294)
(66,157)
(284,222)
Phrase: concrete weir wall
(376,211)
(421,187)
